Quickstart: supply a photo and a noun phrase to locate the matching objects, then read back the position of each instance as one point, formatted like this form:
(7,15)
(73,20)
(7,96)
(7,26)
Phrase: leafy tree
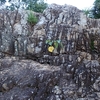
(96,9)
(35,5)
(2,2)
(13,6)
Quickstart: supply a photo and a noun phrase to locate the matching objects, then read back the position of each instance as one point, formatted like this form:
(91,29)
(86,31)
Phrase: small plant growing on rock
(54,44)
(92,45)
(32,19)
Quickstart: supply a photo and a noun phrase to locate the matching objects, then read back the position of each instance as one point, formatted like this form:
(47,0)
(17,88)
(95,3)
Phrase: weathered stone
(76,42)
(96,85)
(56,90)
(25,76)
(65,23)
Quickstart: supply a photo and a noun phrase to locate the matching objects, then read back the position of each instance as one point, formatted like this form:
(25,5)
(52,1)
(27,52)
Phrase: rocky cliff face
(63,37)
(66,28)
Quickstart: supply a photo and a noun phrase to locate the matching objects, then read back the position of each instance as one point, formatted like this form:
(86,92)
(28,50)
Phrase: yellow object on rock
(50,48)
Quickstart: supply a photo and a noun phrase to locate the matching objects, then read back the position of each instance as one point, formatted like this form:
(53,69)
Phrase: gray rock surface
(65,25)
(22,79)
(26,79)
(64,41)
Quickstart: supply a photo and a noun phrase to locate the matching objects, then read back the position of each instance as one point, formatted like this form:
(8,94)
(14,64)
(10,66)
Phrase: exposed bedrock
(64,27)
(56,59)
(29,80)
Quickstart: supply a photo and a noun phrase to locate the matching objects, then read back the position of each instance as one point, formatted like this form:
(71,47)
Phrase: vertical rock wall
(66,27)
(63,37)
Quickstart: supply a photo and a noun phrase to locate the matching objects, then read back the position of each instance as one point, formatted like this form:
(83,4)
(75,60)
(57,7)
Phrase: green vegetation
(87,12)
(36,5)
(54,44)
(94,12)
(92,45)
(2,2)
(32,19)
(96,9)
(13,7)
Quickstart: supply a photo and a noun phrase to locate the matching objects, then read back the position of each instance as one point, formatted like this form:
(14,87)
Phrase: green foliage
(32,19)
(13,7)
(50,42)
(36,5)
(86,12)
(94,12)
(96,9)
(55,43)
(2,1)
(92,45)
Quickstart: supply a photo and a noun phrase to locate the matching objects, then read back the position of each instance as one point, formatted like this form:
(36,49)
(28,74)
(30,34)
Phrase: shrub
(36,5)
(32,19)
